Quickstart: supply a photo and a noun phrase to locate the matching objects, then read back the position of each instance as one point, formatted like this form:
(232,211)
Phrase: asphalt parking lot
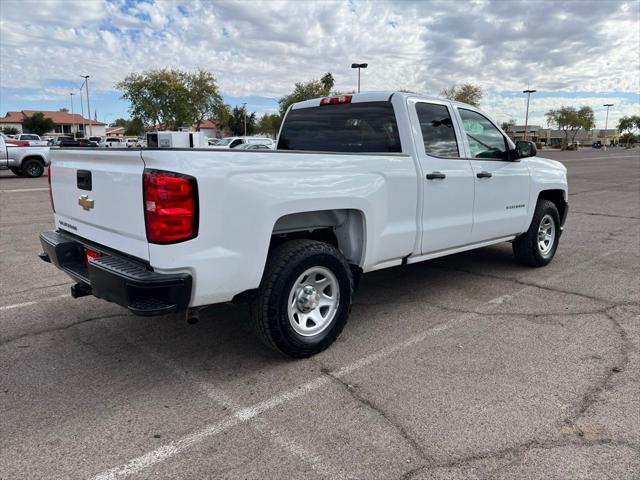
(465,367)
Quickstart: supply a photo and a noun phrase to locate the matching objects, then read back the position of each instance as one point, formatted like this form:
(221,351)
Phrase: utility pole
(244,110)
(86,84)
(606,123)
(526,118)
(359,66)
(84,129)
(72,115)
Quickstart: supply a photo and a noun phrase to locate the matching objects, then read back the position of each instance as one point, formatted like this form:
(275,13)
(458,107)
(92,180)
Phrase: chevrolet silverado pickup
(357,183)
(23,161)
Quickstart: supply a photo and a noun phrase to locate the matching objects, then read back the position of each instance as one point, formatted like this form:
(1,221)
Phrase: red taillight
(170,206)
(89,254)
(53,207)
(335,100)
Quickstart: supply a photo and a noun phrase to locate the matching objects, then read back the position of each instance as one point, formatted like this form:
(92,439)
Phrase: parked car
(358,183)
(9,140)
(112,142)
(76,142)
(213,141)
(62,140)
(25,161)
(132,143)
(34,140)
(233,142)
(252,146)
(95,139)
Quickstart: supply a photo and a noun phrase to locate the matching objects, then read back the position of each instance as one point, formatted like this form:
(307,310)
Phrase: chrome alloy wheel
(546,234)
(313,301)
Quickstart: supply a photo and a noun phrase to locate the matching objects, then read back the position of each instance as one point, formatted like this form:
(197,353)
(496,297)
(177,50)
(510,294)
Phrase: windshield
(350,127)
(224,141)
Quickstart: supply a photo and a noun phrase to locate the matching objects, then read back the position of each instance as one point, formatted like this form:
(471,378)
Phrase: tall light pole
(606,123)
(72,116)
(86,84)
(526,118)
(359,66)
(84,129)
(244,110)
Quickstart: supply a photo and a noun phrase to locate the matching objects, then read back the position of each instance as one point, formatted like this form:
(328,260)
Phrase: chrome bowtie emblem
(85,202)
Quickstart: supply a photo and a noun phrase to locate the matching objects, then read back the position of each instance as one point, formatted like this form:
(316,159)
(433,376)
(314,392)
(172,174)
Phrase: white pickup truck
(358,183)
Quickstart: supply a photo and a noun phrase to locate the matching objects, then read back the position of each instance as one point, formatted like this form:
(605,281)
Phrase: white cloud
(263,47)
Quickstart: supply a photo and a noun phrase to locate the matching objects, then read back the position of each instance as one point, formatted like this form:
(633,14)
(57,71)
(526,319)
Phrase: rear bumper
(116,278)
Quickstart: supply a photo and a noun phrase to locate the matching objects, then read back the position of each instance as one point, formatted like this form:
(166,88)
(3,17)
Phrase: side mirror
(525,148)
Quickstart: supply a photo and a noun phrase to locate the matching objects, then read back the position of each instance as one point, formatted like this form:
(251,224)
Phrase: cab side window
(438,133)
(485,140)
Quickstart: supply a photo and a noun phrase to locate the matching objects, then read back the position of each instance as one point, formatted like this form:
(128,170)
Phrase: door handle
(436,176)
(484,175)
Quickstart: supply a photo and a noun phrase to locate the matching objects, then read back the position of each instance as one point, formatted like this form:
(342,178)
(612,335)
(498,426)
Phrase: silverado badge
(85,202)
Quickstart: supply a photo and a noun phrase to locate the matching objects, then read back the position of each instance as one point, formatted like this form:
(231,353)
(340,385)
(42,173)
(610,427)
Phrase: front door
(447,178)
(501,184)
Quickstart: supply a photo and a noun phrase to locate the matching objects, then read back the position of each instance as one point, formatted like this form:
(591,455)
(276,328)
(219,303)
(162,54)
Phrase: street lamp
(606,123)
(526,118)
(359,66)
(72,116)
(244,111)
(86,84)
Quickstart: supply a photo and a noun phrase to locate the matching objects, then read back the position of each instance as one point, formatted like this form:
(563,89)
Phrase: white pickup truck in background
(358,183)
(33,139)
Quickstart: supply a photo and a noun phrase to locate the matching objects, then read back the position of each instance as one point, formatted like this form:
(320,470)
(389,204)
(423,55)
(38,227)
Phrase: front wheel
(304,298)
(537,246)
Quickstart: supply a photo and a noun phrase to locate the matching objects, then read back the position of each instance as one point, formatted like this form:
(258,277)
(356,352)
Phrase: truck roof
(381,96)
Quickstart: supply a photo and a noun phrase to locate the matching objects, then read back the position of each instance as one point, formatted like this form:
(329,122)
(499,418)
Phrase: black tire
(18,172)
(269,309)
(526,247)
(33,168)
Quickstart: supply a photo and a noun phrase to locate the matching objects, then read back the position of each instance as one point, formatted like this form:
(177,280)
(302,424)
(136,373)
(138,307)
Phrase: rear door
(4,162)
(501,185)
(98,196)
(447,214)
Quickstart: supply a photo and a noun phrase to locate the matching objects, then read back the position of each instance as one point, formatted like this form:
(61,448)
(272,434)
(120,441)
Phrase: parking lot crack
(56,329)
(358,397)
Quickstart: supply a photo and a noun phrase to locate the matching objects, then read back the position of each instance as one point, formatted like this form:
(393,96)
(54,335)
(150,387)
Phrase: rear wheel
(538,245)
(304,298)
(33,168)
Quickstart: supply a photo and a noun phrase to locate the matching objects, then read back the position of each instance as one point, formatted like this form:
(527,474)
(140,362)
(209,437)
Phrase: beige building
(549,136)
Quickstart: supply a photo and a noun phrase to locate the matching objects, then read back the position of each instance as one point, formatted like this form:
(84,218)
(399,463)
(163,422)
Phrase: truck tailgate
(97,195)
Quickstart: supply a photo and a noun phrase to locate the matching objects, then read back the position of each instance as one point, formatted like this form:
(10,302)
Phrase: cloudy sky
(572,52)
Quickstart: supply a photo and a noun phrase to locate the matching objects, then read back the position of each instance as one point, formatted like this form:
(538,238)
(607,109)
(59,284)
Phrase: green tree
(237,119)
(134,127)
(509,125)
(269,123)
(171,98)
(38,124)
(223,116)
(570,120)
(306,91)
(626,125)
(203,98)
(119,122)
(466,93)
(63,109)
(10,131)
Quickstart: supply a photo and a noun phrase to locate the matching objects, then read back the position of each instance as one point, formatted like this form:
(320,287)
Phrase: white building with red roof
(65,123)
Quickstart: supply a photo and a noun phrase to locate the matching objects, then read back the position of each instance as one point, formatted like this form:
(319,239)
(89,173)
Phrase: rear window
(348,127)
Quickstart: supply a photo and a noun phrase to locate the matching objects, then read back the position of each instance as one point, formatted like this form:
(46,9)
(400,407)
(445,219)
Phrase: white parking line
(35,302)
(16,190)
(317,463)
(244,415)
